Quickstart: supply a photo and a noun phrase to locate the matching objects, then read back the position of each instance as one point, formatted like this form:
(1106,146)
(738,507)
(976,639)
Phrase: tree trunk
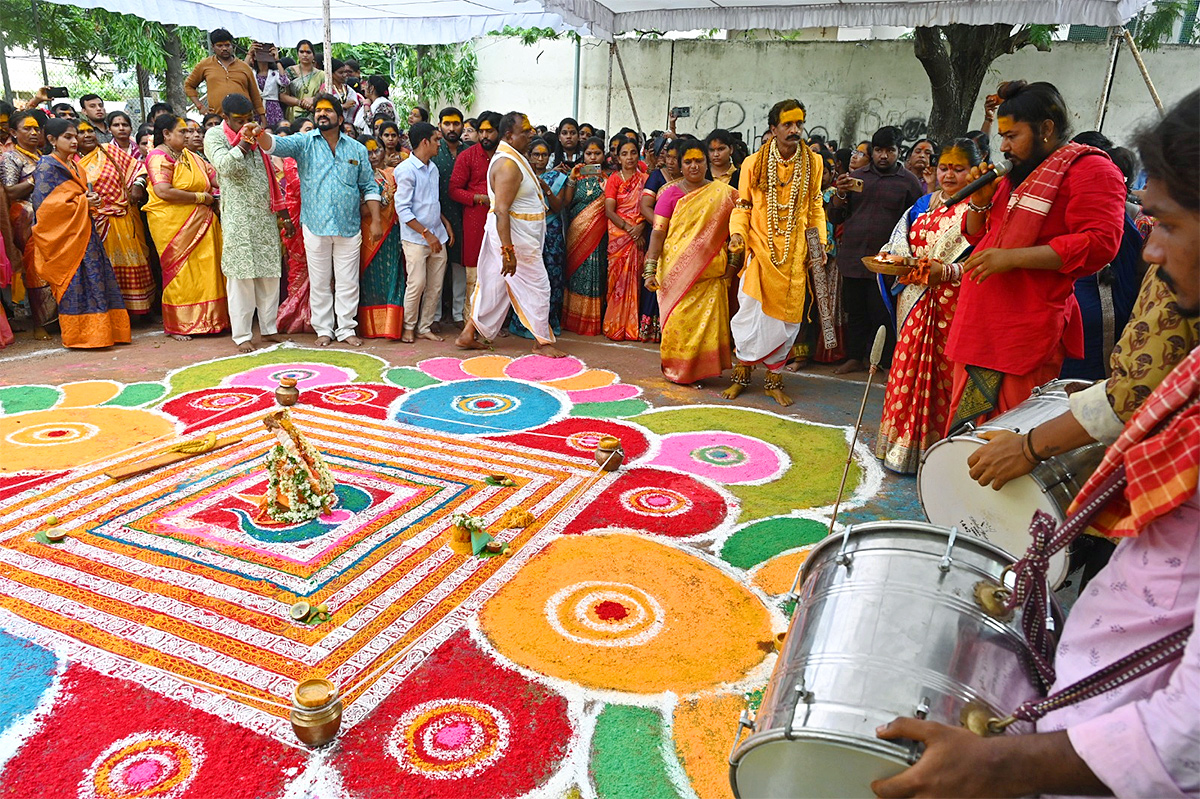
(957,58)
(173,82)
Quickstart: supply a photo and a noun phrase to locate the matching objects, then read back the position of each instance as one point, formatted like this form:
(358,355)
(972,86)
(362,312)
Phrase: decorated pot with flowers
(461,528)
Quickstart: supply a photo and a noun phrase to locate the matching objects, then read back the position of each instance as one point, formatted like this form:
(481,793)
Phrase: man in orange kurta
(778,211)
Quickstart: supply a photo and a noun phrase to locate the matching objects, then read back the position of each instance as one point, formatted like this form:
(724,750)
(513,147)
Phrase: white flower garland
(291,497)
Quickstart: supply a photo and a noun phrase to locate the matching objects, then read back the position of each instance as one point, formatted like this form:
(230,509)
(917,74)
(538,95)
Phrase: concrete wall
(850,88)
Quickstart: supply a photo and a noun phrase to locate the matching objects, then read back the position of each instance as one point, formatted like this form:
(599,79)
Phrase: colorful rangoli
(608,652)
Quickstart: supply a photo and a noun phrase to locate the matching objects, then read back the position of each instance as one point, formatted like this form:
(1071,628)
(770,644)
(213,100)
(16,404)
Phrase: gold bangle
(199,197)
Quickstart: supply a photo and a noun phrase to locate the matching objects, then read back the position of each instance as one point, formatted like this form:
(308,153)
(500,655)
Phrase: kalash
(299,485)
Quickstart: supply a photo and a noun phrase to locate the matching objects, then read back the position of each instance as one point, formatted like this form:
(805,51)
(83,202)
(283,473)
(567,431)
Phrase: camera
(57,92)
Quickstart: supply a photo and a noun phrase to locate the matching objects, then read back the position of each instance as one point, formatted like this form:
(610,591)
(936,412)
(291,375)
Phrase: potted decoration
(461,528)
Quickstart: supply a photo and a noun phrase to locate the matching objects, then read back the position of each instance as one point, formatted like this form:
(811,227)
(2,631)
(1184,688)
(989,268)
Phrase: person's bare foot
(40,334)
(353,341)
(797,365)
(274,338)
(733,392)
(323,341)
(431,336)
(245,346)
(777,394)
(435,327)
(408,337)
(852,365)
(179,337)
(469,343)
(549,350)
(504,332)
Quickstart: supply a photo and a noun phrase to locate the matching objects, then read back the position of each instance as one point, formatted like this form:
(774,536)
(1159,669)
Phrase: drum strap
(1032,591)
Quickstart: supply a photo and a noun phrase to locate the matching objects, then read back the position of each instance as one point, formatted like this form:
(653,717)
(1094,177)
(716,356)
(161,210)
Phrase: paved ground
(819,396)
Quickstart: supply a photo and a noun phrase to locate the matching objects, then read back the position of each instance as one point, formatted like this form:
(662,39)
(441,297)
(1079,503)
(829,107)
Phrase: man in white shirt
(424,235)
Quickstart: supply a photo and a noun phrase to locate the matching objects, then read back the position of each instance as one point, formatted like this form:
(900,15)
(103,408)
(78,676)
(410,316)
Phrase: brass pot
(319,725)
(609,455)
(287,394)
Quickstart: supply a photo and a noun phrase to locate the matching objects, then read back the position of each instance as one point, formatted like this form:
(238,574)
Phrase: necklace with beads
(782,225)
(171,151)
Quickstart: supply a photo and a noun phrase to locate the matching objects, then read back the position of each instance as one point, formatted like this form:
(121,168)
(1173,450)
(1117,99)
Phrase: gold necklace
(774,227)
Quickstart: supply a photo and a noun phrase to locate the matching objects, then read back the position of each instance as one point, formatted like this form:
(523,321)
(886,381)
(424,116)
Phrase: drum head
(807,767)
(951,498)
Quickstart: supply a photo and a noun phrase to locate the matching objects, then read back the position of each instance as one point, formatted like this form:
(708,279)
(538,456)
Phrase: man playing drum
(1140,740)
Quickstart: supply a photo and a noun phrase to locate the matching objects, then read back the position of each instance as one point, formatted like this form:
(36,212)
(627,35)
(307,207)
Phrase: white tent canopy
(286,22)
(608,17)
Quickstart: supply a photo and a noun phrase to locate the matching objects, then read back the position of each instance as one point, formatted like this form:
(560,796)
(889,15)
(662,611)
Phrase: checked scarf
(274,189)
(1030,202)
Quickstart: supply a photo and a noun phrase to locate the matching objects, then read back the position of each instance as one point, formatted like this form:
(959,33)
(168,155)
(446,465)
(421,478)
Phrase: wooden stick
(1137,56)
(119,473)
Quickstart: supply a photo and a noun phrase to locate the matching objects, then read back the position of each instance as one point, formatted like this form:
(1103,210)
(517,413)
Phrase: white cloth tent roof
(285,22)
(608,17)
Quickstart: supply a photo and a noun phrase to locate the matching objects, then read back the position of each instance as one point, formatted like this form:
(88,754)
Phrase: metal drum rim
(876,746)
(901,524)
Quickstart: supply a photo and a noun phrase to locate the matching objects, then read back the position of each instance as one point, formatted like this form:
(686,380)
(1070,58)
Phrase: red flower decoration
(197,409)
(578,436)
(361,399)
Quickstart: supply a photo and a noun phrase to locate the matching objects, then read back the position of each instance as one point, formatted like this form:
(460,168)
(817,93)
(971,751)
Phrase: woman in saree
(626,235)
(381,281)
(17,166)
(687,265)
(67,251)
(666,172)
(10,258)
(304,82)
(554,250)
(120,180)
(295,316)
(121,127)
(917,403)
(587,251)
(186,233)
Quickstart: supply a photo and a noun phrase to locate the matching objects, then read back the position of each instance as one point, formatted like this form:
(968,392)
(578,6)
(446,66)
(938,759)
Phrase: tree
(957,58)
(421,74)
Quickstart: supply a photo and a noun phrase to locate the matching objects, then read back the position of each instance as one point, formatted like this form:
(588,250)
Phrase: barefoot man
(511,270)
(779,209)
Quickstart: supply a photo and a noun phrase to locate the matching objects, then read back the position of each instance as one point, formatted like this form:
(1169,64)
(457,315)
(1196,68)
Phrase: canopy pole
(37,29)
(1106,90)
(328,43)
(575,99)
(608,94)
(670,82)
(628,91)
(1137,56)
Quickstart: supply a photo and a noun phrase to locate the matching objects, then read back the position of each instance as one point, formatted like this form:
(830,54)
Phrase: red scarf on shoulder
(1030,202)
(1161,466)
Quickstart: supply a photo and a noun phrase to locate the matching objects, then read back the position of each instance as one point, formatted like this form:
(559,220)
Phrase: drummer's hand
(1000,460)
(984,263)
(956,762)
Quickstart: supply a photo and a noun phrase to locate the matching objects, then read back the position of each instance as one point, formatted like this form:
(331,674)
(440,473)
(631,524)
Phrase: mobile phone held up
(681,111)
(590,169)
(58,92)
(856,184)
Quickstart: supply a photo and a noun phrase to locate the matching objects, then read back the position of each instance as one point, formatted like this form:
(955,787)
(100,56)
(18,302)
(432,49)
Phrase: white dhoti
(759,338)
(247,295)
(527,291)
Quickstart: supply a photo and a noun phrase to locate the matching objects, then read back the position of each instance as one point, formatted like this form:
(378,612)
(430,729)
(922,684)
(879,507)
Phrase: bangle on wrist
(979,209)
(1033,457)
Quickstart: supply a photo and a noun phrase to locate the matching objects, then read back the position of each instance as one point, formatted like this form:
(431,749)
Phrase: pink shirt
(1142,739)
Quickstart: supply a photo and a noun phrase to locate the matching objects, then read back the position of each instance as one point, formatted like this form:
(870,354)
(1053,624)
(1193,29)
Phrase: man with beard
(1136,735)
(468,188)
(1057,216)
(512,273)
(777,220)
(455,290)
(870,212)
(335,178)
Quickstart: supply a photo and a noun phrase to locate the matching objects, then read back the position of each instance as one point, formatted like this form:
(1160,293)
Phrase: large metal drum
(951,498)
(887,625)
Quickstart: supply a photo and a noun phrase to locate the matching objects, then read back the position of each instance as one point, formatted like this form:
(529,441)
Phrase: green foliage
(1041,36)
(1155,24)
(436,73)
(83,36)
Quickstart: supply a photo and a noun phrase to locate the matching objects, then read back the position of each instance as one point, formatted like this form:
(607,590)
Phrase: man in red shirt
(1057,216)
(468,188)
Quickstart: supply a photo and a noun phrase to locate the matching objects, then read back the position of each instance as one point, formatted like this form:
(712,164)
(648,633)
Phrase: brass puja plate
(895,265)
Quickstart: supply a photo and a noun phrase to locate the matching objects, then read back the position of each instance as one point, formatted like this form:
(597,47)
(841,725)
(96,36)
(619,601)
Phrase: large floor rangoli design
(605,649)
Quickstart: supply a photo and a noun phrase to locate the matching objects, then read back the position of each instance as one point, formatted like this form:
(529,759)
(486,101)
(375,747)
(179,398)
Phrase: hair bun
(1010,89)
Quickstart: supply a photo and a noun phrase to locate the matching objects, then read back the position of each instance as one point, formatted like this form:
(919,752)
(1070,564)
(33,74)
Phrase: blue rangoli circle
(481,407)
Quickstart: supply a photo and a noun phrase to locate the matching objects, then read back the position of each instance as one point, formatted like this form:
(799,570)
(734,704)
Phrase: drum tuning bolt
(992,599)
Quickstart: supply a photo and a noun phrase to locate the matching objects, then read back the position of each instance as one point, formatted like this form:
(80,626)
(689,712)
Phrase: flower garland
(292,496)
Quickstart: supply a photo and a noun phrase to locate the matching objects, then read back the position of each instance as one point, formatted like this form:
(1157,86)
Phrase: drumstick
(876,356)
